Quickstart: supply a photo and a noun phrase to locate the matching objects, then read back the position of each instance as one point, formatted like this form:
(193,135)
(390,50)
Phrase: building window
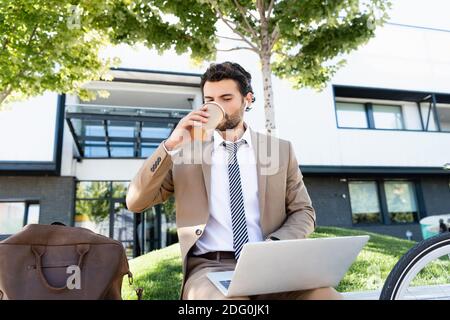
(387,117)
(368,115)
(15,215)
(33,213)
(107,131)
(401,201)
(391,109)
(397,205)
(364,202)
(100,206)
(444,116)
(93,204)
(351,115)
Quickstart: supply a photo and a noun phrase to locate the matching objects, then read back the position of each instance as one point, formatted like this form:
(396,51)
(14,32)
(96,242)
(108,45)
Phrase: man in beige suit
(239,186)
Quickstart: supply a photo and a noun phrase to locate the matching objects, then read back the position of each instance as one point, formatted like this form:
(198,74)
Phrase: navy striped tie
(238,223)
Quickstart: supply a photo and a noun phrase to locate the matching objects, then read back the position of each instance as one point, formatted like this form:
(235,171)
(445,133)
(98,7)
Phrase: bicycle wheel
(422,273)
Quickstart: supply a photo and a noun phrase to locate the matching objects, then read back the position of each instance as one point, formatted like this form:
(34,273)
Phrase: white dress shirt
(218,233)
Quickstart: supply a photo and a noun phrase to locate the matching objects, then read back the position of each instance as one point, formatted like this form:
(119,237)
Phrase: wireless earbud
(247,108)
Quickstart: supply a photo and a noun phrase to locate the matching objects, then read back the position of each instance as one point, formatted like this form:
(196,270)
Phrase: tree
(294,39)
(50,45)
(93,200)
(53,44)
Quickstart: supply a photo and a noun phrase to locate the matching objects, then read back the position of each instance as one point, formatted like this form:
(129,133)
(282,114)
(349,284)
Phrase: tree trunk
(268,95)
(265,54)
(4,94)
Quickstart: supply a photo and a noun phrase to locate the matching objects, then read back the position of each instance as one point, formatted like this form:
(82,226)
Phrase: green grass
(375,261)
(159,272)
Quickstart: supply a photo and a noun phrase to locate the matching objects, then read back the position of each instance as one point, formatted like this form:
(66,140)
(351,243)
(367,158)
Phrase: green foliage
(314,32)
(303,36)
(50,45)
(146,21)
(93,198)
(44,46)
(299,40)
(369,217)
(169,208)
(97,208)
(402,217)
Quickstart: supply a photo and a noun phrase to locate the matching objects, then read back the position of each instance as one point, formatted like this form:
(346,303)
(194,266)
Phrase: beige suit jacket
(285,206)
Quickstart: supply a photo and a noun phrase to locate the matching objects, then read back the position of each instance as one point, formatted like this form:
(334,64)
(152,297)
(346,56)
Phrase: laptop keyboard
(225,283)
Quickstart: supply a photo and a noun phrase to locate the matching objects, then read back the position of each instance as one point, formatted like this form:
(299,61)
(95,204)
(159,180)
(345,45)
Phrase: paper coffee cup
(203,131)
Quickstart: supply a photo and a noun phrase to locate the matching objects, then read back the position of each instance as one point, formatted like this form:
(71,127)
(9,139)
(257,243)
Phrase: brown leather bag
(59,262)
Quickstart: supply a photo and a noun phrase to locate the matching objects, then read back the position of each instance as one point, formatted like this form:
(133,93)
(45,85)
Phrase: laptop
(289,265)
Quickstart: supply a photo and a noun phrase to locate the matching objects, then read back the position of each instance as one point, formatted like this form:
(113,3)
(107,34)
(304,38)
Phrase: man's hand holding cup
(196,125)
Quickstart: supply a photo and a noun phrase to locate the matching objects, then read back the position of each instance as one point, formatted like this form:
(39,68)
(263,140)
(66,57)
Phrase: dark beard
(232,121)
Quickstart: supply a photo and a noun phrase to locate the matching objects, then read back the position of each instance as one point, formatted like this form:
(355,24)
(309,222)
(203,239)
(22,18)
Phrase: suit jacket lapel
(258,148)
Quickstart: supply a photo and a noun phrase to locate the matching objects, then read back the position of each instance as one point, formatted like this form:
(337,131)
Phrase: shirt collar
(246,136)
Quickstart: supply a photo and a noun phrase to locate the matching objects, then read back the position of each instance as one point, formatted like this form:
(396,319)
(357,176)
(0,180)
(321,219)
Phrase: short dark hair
(228,70)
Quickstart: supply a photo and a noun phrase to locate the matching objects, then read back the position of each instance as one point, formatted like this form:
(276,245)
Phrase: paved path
(438,292)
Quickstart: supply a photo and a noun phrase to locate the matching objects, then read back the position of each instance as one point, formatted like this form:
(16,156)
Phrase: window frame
(51,167)
(369,94)
(384,211)
(139,218)
(27,204)
(369,113)
(109,197)
(438,106)
(382,220)
(388,105)
(417,215)
(357,103)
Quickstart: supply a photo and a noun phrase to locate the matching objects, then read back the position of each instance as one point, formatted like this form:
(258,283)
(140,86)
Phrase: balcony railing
(107,131)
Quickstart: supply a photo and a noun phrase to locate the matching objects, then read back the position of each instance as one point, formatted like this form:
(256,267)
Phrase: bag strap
(138,290)
(39,251)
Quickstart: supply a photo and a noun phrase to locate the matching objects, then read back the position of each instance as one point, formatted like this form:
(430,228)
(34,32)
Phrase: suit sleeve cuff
(171,152)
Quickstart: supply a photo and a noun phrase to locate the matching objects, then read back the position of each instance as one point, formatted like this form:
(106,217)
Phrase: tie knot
(233,147)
